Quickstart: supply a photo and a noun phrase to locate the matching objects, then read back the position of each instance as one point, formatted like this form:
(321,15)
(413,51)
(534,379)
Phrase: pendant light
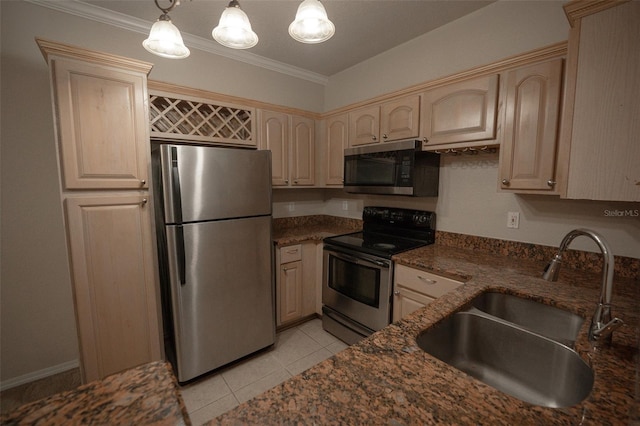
(311,24)
(164,38)
(234,29)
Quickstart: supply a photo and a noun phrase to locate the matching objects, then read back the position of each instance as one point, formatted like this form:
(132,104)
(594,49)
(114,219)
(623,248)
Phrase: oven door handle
(359,260)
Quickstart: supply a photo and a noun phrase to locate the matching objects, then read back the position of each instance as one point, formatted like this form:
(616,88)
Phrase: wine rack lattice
(199,120)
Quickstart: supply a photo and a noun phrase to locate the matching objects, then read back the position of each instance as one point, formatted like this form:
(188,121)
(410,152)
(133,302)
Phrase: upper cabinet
(183,114)
(461,113)
(291,140)
(530,127)
(600,146)
(101,121)
(337,139)
(390,121)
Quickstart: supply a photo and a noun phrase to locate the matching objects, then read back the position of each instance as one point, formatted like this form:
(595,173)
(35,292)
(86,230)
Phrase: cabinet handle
(425,139)
(295,181)
(374,138)
(143,182)
(287,269)
(292,251)
(551,183)
(286,181)
(384,136)
(144,201)
(397,292)
(427,280)
(505,182)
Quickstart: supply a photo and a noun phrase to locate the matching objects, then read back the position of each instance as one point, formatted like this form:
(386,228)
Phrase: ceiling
(364,28)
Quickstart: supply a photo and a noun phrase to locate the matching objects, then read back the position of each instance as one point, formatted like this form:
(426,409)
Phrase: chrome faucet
(602,326)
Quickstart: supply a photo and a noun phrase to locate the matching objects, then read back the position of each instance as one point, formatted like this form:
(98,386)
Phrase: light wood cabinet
(100,112)
(413,289)
(400,119)
(337,136)
(302,151)
(101,119)
(599,143)
(390,121)
(461,114)
(296,283)
(364,126)
(291,140)
(530,128)
(114,282)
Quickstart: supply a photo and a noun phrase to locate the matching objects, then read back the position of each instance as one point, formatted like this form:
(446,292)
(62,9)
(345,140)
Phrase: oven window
(361,283)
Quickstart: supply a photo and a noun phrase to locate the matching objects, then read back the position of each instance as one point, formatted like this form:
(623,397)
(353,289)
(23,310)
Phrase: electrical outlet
(513,220)
(345,205)
(292,206)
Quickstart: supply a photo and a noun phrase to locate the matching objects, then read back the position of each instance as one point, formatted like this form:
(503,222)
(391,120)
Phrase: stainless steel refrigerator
(213,219)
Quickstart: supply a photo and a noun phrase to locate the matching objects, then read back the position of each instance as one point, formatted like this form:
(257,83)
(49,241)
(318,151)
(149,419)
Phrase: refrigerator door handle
(175,177)
(181,256)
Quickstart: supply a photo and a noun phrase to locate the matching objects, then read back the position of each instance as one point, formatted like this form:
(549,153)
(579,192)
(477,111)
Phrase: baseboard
(37,375)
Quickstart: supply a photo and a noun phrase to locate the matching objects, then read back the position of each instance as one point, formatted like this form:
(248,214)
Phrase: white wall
(38,335)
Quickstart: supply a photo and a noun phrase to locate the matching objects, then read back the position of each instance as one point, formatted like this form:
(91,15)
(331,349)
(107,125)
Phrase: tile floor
(296,349)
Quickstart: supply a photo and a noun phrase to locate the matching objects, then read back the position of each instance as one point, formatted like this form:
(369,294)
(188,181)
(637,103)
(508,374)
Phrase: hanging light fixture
(311,24)
(234,29)
(164,38)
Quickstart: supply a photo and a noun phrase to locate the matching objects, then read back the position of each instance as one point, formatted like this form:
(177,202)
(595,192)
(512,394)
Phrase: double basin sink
(518,346)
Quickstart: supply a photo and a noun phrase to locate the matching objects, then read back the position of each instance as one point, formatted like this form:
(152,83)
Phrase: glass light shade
(234,29)
(311,24)
(165,40)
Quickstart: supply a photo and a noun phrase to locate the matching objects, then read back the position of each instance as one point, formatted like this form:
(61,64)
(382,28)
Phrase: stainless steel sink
(509,358)
(554,323)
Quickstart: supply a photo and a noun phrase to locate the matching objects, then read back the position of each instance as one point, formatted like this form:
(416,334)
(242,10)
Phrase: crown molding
(126,22)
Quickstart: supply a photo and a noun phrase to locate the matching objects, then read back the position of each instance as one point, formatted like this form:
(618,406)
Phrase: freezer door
(209,183)
(223,308)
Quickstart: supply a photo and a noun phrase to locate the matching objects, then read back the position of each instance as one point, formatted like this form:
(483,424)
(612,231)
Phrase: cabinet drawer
(424,282)
(290,253)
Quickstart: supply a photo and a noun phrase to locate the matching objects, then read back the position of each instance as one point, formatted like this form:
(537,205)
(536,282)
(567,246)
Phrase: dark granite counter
(294,230)
(145,395)
(387,379)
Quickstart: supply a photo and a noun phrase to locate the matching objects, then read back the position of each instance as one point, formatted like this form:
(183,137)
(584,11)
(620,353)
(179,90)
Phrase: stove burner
(384,246)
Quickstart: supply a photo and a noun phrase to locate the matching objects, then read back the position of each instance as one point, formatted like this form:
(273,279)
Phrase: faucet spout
(602,326)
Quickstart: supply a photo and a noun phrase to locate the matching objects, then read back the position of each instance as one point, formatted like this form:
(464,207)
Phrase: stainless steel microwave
(395,168)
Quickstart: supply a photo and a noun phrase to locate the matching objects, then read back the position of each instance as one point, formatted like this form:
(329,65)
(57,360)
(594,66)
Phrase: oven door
(358,286)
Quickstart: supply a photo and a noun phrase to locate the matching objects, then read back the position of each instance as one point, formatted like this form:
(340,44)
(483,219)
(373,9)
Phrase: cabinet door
(114,282)
(337,132)
(274,136)
(103,125)
(406,301)
(364,126)
(462,112)
(302,151)
(400,119)
(528,148)
(290,292)
(600,144)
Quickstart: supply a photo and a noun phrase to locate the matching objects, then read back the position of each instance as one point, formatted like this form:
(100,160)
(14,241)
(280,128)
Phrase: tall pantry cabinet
(100,105)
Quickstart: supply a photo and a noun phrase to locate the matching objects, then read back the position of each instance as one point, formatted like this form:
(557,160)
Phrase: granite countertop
(387,379)
(295,230)
(144,395)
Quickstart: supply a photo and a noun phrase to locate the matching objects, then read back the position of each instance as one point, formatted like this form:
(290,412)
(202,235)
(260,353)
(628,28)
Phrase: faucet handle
(604,332)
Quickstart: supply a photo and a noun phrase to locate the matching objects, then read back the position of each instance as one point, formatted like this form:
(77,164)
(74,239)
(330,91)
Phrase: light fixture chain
(173,3)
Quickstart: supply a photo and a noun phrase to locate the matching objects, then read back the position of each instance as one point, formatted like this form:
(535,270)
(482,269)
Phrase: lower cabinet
(296,283)
(114,282)
(414,289)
